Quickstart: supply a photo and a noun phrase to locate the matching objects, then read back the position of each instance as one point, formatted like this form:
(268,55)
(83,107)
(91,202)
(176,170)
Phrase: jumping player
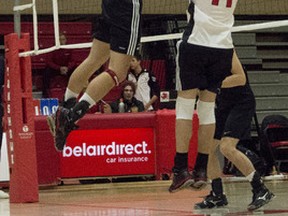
(204,59)
(117,38)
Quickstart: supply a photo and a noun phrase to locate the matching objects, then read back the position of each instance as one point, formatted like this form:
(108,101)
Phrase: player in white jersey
(204,59)
(213,20)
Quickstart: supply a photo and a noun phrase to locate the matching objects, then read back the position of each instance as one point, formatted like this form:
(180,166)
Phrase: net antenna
(146,39)
(36,50)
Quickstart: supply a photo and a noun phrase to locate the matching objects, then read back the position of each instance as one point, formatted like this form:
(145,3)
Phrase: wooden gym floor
(144,198)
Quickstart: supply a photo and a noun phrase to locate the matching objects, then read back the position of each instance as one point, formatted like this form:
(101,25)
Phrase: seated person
(131,104)
(60,64)
(148,89)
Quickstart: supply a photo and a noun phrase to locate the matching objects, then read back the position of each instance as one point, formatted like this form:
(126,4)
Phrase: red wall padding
(165,139)
(163,121)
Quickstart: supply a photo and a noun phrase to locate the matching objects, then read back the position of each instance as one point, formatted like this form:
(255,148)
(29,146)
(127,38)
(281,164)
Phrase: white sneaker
(3,195)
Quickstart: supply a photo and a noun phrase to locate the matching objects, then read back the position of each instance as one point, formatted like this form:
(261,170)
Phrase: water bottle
(121,106)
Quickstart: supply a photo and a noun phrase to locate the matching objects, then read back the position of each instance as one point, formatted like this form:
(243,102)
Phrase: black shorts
(234,119)
(119,25)
(202,67)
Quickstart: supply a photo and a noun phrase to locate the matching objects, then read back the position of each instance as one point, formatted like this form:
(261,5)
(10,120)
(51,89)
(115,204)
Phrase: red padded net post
(19,118)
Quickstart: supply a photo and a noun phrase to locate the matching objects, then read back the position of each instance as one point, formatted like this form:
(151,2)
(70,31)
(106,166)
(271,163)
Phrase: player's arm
(238,77)
(155,89)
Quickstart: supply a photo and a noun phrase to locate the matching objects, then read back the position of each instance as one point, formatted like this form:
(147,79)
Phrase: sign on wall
(109,152)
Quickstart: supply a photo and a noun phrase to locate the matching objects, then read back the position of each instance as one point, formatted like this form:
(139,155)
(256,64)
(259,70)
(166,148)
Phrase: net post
(19,118)
(35,26)
(56,23)
(17,19)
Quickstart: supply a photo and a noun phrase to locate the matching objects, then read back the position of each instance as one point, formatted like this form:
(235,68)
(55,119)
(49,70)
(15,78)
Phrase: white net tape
(146,39)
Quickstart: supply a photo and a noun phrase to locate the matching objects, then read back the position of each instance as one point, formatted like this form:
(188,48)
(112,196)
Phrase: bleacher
(265,55)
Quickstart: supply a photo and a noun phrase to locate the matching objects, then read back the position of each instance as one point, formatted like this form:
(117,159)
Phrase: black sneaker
(181,180)
(63,127)
(260,198)
(200,179)
(52,120)
(212,201)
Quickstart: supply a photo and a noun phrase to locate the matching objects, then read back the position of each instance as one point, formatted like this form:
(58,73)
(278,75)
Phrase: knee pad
(206,112)
(185,108)
(113,76)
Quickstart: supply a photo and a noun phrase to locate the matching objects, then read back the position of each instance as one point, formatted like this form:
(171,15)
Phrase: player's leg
(215,74)
(199,173)
(116,73)
(97,88)
(205,110)
(216,198)
(261,195)
(184,115)
(222,113)
(99,54)
(123,37)
(186,74)
(214,172)
(239,126)
(229,150)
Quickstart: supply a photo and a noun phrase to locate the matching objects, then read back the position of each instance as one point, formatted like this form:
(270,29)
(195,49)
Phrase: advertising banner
(48,106)
(109,152)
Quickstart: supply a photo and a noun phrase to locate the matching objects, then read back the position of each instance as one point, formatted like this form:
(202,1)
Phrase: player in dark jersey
(116,39)
(234,111)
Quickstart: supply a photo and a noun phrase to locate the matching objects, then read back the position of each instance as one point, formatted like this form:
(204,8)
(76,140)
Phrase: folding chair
(276,135)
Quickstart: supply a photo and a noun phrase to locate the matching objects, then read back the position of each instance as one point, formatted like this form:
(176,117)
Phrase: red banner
(109,152)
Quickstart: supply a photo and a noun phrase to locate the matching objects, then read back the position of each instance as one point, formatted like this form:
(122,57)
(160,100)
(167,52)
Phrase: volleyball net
(162,9)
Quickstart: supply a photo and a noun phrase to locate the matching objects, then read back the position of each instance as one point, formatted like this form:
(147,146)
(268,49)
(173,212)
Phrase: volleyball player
(116,39)
(205,56)
(234,112)
(204,59)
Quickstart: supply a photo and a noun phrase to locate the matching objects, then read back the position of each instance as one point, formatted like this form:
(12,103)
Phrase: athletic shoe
(52,120)
(212,201)
(3,195)
(260,198)
(200,179)
(63,127)
(181,180)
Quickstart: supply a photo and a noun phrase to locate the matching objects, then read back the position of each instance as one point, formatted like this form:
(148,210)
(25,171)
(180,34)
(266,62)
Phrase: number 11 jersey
(211,22)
